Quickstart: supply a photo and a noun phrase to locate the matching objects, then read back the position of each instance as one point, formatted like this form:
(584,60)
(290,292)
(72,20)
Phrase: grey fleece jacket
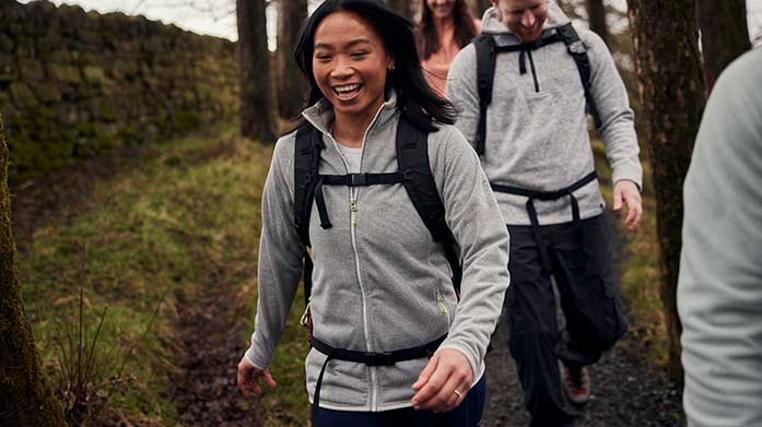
(719,292)
(539,139)
(381,284)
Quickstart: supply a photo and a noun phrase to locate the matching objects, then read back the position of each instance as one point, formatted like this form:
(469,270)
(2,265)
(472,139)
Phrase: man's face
(524,18)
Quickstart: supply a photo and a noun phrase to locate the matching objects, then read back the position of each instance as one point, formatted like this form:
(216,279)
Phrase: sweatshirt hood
(492,24)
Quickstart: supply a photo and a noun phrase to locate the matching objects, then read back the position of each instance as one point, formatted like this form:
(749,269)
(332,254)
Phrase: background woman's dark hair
(421,105)
(465,29)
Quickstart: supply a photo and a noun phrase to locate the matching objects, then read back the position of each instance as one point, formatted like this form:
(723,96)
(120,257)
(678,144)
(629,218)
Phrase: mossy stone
(23,97)
(32,70)
(47,92)
(65,73)
(94,74)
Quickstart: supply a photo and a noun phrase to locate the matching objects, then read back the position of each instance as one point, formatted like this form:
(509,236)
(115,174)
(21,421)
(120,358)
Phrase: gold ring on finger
(458,393)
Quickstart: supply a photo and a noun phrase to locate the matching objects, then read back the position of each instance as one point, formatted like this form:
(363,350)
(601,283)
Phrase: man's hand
(249,376)
(626,193)
(444,382)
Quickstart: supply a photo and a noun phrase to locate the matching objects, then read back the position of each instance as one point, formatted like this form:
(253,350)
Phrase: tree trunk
(25,400)
(665,36)
(479,6)
(596,15)
(405,8)
(256,101)
(724,35)
(291,87)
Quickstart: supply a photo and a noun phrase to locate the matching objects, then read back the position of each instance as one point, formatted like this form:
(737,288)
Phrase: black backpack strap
(485,75)
(413,160)
(307,148)
(578,51)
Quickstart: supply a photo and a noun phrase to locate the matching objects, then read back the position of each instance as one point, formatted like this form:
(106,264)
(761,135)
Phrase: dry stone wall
(76,83)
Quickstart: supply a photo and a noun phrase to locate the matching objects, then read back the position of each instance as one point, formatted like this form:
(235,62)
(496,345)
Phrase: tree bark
(256,101)
(665,37)
(405,8)
(291,85)
(479,6)
(25,400)
(596,15)
(724,35)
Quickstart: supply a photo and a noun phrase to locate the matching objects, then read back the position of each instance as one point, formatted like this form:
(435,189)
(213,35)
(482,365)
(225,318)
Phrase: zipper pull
(305,315)
(353,214)
(442,306)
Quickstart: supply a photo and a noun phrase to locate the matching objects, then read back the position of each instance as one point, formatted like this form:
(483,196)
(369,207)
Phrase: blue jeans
(467,414)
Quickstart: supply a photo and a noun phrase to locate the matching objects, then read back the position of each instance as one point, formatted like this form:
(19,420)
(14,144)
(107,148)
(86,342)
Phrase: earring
(391,68)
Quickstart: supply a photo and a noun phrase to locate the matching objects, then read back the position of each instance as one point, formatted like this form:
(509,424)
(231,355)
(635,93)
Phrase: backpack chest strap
(349,180)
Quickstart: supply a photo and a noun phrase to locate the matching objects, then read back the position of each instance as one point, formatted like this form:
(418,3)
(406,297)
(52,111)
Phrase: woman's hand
(249,376)
(444,382)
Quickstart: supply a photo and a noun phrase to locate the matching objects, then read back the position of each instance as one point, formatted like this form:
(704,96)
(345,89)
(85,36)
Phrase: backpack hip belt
(533,195)
(369,358)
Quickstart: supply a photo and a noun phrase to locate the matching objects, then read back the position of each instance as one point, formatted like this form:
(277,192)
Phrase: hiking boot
(576,384)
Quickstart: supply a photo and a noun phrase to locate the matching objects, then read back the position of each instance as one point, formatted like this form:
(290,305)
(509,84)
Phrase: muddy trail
(207,332)
(625,392)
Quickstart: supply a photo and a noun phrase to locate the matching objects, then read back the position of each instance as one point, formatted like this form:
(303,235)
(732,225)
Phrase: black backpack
(414,173)
(487,50)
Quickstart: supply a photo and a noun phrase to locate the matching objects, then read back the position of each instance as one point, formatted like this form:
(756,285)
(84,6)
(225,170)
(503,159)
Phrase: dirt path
(208,331)
(625,392)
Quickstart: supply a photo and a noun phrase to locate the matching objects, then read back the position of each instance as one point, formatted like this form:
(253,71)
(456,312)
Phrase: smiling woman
(350,66)
(398,334)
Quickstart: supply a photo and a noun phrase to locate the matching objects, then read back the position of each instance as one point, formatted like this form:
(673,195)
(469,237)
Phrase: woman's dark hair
(420,104)
(465,29)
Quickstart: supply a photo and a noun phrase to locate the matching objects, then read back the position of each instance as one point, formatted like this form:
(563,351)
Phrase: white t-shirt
(353,157)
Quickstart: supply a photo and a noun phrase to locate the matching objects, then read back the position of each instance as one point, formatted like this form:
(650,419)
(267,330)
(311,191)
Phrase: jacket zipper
(354,215)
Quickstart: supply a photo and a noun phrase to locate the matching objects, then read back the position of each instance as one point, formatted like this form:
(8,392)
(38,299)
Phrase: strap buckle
(356,180)
(577,47)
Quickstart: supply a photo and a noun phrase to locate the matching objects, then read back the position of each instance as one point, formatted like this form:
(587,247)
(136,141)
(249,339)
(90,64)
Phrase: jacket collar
(321,114)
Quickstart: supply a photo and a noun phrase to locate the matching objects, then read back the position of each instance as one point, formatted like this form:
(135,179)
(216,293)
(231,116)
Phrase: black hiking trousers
(581,262)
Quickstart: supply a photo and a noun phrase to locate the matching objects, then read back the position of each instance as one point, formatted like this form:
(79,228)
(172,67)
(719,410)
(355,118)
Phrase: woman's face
(350,64)
(441,9)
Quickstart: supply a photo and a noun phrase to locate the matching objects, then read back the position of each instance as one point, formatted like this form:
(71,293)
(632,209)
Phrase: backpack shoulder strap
(307,148)
(578,51)
(485,75)
(413,160)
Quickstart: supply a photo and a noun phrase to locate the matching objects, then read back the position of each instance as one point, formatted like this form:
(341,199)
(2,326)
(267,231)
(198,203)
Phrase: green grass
(149,233)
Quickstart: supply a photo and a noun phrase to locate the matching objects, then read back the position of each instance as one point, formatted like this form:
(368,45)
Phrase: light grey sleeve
(719,294)
(473,216)
(617,119)
(279,260)
(463,92)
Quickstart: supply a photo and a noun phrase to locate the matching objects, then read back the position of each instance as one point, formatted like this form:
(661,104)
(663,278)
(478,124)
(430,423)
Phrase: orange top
(436,66)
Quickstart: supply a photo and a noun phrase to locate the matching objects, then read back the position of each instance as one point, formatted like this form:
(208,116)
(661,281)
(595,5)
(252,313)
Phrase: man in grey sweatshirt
(538,159)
